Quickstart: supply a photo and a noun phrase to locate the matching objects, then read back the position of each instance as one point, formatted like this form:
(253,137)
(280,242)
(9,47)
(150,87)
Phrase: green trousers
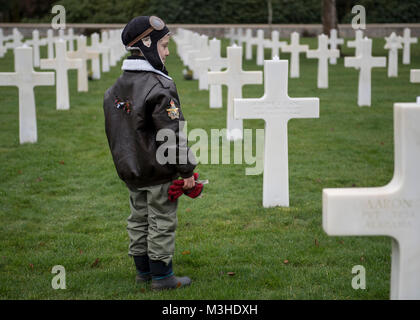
(152,223)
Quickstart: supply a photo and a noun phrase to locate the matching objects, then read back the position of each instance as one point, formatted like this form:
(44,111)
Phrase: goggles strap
(144,34)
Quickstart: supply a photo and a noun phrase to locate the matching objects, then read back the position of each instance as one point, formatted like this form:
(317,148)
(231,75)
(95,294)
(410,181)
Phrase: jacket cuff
(187,174)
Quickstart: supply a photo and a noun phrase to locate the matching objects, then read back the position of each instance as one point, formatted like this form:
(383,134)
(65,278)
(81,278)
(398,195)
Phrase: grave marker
(25,78)
(16,39)
(365,62)
(248,40)
(231,35)
(50,43)
(213,63)
(323,54)
(259,41)
(393,43)
(392,210)
(35,43)
(295,49)
(275,44)
(102,49)
(61,64)
(93,55)
(276,108)
(407,41)
(234,78)
(334,41)
(81,53)
(3,48)
(202,51)
(356,42)
(70,38)
(240,36)
(415,75)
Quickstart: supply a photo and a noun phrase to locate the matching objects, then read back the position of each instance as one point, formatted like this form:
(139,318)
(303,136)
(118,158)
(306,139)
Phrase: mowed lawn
(62,203)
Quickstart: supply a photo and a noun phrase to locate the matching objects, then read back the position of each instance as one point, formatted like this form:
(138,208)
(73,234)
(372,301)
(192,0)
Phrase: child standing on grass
(143,101)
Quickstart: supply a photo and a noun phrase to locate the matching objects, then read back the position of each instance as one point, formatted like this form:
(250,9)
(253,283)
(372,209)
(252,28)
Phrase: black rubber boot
(170,282)
(143,268)
(164,278)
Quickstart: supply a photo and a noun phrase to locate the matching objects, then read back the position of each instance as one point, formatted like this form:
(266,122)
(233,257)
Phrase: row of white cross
(393,210)
(25,78)
(327,49)
(276,45)
(201,55)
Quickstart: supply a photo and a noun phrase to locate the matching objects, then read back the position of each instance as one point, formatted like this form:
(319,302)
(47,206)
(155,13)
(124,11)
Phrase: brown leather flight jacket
(136,107)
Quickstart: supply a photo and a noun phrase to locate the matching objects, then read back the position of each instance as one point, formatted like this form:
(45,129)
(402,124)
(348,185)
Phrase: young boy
(143,101)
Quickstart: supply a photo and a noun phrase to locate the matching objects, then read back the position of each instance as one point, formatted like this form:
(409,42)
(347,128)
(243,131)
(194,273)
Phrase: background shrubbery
(204,11)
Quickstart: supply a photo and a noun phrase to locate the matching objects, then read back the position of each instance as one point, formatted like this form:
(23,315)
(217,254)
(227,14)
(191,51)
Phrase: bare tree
(329,16)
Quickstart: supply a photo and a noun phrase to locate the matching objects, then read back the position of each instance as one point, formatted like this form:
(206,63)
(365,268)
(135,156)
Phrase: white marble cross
(393,43)
(116,47)
(231,35)
(295,49)
(202,52)
(248,40)
(107,41)
(5,38)
(61,64)
(239,36)
(102,49)
(415,78)
(234,78)
(323,54)
(3,48)
(35,43)
(259,41)
(356,42)
(415,75)
(67,38)
(93,55)
(334,41)
(16,39)
(81,53)
(276,108)
(193,46)
(392,210)
(183,42)
(179,36)
(25,78)
(274,44)
(217,63)
(202,65)
(407,41)
(213,63)
(50,43)
(61,35)
(365,62)
(70,38)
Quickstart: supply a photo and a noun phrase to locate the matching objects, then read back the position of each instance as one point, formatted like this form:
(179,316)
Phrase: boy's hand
(189,183)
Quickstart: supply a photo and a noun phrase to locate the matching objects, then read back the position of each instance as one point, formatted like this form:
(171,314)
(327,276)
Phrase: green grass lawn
(62,203)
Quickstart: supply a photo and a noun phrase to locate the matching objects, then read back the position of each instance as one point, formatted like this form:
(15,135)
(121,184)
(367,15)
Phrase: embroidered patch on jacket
(173,111)
(124,105)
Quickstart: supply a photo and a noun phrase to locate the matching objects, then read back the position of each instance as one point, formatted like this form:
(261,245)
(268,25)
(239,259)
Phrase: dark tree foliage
(17,10)
(204,11)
